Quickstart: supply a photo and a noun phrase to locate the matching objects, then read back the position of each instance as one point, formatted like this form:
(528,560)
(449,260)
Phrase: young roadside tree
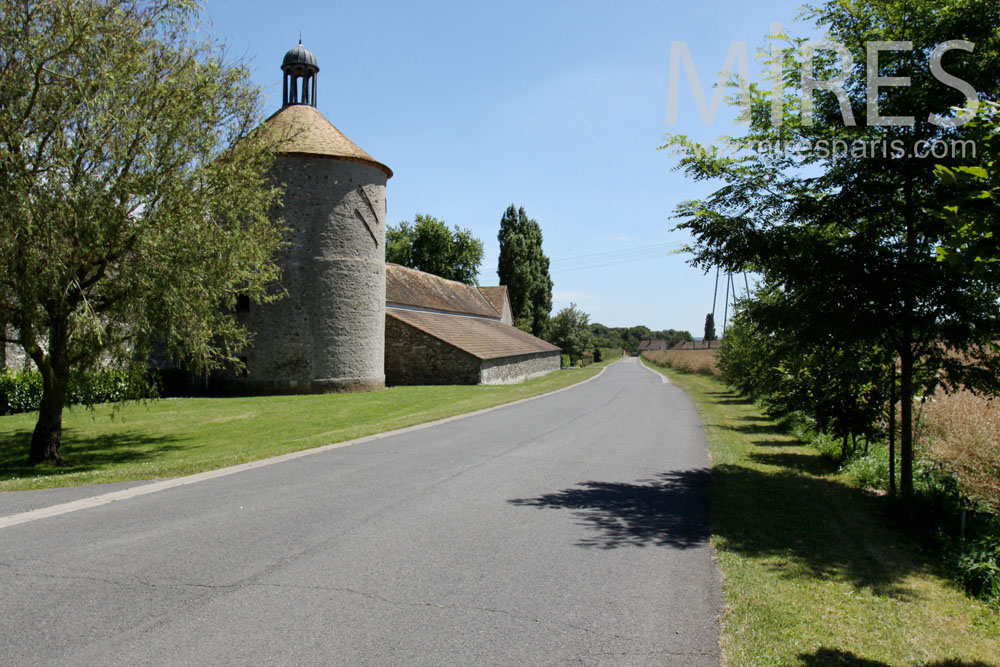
(850,233)
(569,330)
(428,245)
(524,269)
(134,194)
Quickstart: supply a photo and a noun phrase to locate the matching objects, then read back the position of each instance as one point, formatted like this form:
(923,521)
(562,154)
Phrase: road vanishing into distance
(570,529)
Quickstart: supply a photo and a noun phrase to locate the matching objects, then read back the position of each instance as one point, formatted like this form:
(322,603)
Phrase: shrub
(870,470)
(977,566)
(21,391)
(607,353)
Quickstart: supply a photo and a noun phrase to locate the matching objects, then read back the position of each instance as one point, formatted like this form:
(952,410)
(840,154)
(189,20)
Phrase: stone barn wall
(328,333)
(413,357)
(511,370)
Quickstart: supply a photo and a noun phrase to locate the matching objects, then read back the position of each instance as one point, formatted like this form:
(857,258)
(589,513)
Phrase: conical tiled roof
(303,130)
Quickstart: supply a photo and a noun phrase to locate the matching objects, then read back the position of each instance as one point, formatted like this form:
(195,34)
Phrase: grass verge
(174,437)
(815,572)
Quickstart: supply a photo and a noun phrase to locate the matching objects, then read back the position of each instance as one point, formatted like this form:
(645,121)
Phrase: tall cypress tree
(524,269)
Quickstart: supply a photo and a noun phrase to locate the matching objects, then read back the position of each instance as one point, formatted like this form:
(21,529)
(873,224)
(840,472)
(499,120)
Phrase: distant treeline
(628,338)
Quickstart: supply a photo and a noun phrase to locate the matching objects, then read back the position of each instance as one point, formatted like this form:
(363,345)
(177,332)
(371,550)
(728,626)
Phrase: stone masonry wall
(328,333)
(511,370)
(413,357)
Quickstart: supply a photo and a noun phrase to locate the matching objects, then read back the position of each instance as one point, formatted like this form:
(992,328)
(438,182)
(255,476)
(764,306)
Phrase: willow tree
(134,195)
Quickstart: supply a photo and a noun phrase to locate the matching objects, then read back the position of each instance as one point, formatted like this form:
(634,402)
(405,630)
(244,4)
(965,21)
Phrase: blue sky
(555,106)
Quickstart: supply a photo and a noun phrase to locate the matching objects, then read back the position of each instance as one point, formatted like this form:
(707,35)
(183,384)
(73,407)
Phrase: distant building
(649,345)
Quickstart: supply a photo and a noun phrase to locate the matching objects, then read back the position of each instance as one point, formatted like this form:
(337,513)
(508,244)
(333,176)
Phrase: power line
(610,257)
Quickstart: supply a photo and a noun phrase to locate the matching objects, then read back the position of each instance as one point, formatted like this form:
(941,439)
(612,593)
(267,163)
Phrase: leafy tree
(524,269)
(570,331)
(840,384)
(846,234)
(672,336)
(134,194)
(428,245)
(972,210)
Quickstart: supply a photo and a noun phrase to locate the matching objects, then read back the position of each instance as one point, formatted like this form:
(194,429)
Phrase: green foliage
(21,391)
(977,566)
(709,327)
(524,269)
(844,239)
(428,245)
(628,338)
(972,210)
(134,191)
(569,330)
(840,385)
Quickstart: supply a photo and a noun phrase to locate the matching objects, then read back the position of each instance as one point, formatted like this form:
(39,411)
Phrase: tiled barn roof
(495,295)
(482,338)
(409,287)
(652,344)
(303,130)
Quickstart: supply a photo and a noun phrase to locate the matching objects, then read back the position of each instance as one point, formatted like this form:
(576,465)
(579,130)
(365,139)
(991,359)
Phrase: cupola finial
(300,70)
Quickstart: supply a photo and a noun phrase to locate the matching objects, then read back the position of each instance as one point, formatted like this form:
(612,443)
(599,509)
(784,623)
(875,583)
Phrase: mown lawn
(815,572)
(173,437)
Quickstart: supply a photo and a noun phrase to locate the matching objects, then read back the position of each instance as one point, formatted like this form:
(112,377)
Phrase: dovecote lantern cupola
(300,70)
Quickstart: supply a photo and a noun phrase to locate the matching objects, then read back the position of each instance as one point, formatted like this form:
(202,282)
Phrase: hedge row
(21,391)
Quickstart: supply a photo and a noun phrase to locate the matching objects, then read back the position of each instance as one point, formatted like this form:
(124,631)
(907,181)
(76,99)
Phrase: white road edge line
(154,487)
(662,377)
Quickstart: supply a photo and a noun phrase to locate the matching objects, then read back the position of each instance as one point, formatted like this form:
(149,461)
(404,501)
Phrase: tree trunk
(906,421)
(47,437)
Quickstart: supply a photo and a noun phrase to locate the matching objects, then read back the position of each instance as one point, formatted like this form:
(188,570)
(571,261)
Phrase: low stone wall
(512,370)
(413,357)
(12,355)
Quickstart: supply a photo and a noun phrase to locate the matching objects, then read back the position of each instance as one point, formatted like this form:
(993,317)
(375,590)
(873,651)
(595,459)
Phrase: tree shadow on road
(670,510)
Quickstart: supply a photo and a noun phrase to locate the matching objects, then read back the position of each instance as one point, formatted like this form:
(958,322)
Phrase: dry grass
(700,362)
(965,436)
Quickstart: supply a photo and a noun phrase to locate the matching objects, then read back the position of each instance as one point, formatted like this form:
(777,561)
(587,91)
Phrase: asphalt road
(571,529)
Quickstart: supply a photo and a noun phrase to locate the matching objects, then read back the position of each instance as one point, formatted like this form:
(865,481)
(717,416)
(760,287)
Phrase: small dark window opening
(242,303)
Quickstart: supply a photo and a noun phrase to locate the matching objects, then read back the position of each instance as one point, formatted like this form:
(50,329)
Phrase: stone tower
(328,334)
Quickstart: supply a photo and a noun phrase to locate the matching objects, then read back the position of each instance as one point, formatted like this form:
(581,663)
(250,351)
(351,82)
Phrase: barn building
(440,331)
(349,322)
